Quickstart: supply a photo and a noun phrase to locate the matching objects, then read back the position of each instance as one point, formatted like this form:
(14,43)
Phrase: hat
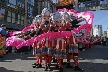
(38,18)
(56,16)
(65,15)
(46,11)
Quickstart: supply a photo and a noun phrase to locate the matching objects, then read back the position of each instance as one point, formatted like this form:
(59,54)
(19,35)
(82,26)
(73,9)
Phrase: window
(13,15)
(19,21)
(48,4)
(19,16)
(22,22)
(22,17)
(2,10)
(9,13)
(12,1)
(43,4)
(13,20)
(8,19)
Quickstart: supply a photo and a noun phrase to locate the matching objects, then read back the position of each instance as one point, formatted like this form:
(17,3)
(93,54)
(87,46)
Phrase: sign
(92,3)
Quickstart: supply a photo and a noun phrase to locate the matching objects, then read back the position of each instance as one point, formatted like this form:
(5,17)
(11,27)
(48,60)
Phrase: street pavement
(91,60)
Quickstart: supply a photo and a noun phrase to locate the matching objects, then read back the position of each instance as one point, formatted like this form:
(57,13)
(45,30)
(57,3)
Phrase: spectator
(4,33)
(3,30)
(104,41)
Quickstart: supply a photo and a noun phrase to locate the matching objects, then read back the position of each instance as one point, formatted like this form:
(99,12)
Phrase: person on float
(37,44)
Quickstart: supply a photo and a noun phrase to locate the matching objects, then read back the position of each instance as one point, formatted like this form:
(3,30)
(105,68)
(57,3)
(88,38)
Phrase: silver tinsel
(46,11)
(38,19)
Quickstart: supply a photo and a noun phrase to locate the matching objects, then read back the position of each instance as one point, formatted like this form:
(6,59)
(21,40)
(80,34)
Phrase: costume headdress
(65,15)
(56,16)
(38,19)
(46,11)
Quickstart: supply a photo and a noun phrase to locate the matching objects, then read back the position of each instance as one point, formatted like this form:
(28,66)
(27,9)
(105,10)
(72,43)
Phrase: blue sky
(101,18)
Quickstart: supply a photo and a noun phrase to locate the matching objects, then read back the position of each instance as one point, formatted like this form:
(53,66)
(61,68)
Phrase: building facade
(16,13)
(40,4)
(105,34)
(97,30)
(92,5)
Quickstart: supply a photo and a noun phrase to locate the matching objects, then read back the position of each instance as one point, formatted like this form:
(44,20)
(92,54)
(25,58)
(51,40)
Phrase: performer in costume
(2,42)
(90,41)
(81,42)
(37,44)
(85,41)
(4,33)
(73,46)
(60,50)
(66,18)
(46,46)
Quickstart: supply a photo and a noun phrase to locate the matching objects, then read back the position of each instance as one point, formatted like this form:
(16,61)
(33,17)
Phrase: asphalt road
(91,60)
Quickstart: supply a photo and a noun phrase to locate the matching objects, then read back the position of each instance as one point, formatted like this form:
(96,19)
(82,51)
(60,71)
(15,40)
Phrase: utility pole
(76,5)
(25,17)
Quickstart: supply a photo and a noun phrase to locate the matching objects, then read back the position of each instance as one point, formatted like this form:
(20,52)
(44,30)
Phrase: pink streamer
(12,41)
